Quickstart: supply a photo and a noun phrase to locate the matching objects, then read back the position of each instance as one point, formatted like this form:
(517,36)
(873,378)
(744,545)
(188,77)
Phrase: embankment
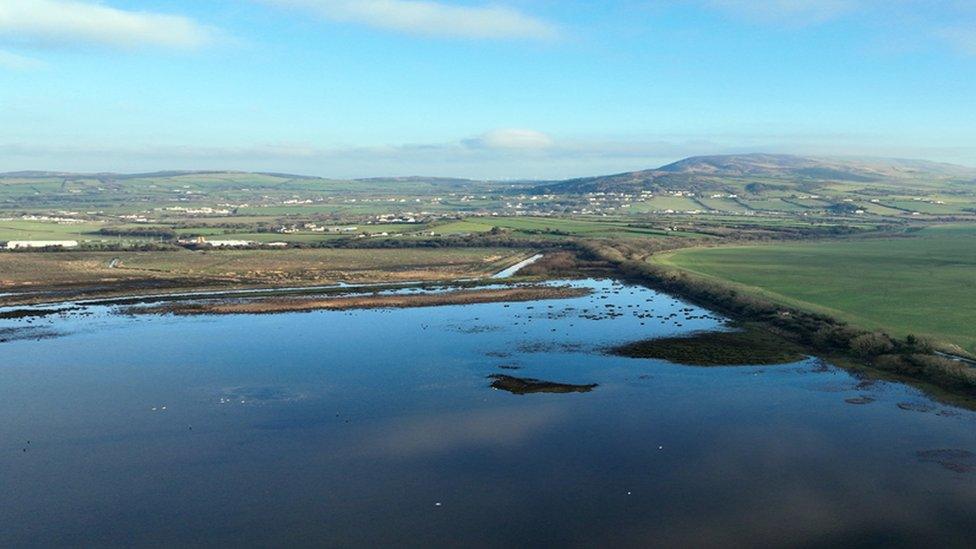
(910,359)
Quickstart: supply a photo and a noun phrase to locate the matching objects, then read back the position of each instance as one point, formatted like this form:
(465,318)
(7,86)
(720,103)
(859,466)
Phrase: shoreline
(948,376)
(916,362)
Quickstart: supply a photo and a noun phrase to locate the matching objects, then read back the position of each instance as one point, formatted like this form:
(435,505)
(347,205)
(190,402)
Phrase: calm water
(380,427)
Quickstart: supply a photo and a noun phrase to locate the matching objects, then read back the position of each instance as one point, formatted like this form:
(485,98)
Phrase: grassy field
(541,225)
(38,230)
(923,285)
(526,224)
(663,203)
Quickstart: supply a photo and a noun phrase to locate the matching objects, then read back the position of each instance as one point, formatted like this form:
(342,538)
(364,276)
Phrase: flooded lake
(394,427)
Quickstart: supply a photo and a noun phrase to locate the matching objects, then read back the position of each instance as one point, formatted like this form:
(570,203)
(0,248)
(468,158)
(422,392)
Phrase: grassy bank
(910,358)
(921,285)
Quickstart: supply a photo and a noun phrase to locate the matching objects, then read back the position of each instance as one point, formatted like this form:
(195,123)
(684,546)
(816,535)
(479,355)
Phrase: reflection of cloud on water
(454,431)
(794,489)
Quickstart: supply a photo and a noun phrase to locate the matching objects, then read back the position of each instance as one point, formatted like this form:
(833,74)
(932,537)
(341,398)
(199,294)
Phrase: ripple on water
(960,461)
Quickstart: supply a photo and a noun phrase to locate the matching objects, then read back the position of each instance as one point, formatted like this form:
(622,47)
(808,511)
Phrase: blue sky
(506,89)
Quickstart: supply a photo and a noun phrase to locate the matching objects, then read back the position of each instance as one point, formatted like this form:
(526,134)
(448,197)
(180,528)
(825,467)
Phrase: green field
(723,205)
(525,224)
(664,203)
(923,285)
(553,225)
(40,230)
(775,204)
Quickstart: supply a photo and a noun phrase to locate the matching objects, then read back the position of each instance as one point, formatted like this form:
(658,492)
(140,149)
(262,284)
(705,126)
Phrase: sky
(500,89)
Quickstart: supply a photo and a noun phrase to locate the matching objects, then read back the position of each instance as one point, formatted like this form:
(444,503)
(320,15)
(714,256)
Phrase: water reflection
(425,436)
(380,427)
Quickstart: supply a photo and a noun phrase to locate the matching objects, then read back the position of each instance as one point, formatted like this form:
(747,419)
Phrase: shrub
(937,366)
(871,344)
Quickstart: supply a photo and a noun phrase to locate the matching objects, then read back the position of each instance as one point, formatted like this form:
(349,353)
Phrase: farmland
(754,212)
(39,230)
(119,272)
(594,228)
(922,284)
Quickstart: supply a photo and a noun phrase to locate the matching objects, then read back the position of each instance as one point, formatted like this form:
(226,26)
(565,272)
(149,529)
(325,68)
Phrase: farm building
(23,244)
(229,243)
(202,241)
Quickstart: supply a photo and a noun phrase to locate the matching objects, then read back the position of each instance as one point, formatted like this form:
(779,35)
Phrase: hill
(770,172)
(114,176)
(846,169)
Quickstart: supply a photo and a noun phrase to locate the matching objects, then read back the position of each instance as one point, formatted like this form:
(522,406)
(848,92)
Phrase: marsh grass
(749,345)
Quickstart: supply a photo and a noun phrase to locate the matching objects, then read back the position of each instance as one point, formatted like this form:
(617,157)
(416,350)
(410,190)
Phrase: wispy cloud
(511,139)
(76,23)
(431,18)
(479,156)
(14,61)
(471,157)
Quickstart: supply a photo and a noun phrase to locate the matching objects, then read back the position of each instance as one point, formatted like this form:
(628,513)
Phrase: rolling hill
(771,172)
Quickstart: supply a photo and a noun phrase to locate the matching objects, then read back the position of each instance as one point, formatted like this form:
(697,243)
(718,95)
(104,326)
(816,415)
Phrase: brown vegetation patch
(34,313)
(372,301)
(566,264)
(525,385)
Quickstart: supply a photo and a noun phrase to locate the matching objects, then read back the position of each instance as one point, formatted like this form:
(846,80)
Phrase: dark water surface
(381,427)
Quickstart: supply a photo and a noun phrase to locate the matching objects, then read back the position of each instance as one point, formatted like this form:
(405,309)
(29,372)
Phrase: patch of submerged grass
(267,305)
(747,346)
(524,385)
(34,313)
(26,332)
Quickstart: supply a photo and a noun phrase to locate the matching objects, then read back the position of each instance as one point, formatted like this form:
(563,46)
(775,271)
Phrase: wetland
(364,426)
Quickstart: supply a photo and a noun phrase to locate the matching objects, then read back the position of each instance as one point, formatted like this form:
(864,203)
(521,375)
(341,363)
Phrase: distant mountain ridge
(696,173)
(784,164)
(39,174)
(36,174)
(703,172)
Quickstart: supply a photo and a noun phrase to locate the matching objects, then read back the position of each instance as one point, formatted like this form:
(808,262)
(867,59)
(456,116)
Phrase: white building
(22,244)
(229,243)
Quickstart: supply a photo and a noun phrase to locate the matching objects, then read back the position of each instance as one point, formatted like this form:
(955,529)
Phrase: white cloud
(70,22)
(427,17)
(13,61)
(511,138)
